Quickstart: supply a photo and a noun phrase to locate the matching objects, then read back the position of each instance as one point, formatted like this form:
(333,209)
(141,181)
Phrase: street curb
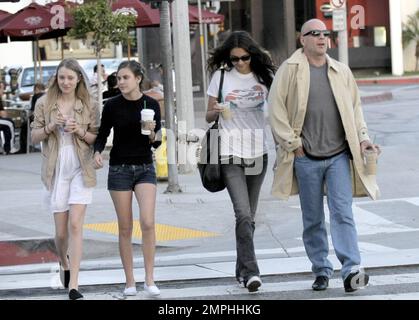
(385,96)
(389,81)
(199,271)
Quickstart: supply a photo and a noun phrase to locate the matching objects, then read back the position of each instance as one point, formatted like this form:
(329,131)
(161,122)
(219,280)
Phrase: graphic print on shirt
(247,98)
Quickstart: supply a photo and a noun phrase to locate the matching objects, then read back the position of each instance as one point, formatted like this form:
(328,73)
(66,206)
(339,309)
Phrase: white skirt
(68,187)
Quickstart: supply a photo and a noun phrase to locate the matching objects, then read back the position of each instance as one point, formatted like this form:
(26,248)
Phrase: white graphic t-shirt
(244,134)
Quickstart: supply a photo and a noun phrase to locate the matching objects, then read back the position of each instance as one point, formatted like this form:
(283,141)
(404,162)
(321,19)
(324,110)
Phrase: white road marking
(369,223)
(275,287)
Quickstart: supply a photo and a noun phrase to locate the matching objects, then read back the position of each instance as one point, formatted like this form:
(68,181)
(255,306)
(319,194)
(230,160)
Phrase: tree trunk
(99,81)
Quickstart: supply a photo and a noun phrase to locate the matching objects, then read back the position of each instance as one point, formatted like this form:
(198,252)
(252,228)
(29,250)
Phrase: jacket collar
(300,58)
(77,108)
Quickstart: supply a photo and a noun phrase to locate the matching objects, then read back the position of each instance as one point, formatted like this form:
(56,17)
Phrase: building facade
(374,28)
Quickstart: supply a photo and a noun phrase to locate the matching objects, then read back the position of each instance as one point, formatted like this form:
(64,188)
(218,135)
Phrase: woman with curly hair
(247,72)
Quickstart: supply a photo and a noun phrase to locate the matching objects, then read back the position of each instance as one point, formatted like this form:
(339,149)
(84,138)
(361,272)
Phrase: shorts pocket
(115,169)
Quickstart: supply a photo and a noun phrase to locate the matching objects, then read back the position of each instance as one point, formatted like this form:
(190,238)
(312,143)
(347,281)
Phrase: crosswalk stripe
(272,287)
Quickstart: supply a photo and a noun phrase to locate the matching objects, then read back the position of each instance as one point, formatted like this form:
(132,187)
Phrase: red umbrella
(4,14)
(207,16)
(32,22)
(148,17)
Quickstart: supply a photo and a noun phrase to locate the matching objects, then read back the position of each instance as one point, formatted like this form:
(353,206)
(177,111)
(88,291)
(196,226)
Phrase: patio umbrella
(145,15)
(208,17)
(68,20)
(3,15)
(148,17)
(33,22)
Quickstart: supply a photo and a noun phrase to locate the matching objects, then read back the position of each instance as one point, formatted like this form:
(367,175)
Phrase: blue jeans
(243,186)
(312,175)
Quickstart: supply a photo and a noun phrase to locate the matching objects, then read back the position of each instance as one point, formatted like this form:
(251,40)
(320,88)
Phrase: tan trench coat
(287,108)
(89,119)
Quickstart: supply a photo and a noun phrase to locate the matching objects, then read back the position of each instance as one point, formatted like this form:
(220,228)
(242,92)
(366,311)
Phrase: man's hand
(299,153)
(368,145)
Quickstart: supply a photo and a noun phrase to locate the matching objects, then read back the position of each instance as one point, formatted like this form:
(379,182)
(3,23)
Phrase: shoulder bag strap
(220,89)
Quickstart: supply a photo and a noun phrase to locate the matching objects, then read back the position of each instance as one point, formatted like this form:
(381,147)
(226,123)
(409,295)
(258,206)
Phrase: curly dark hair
(261,63)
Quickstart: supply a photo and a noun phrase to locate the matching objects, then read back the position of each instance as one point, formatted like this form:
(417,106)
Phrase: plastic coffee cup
(226,113)
(371,161)
(66,118)
(146,115)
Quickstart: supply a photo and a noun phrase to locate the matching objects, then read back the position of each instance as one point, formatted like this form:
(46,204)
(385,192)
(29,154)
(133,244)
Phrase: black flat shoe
(75,295)
(321,283)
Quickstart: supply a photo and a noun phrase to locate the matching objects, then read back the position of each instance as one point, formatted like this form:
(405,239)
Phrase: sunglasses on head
(235,59)
(316,33)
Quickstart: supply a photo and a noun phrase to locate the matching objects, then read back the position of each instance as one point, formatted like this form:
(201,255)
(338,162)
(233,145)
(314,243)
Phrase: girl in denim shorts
(131,169)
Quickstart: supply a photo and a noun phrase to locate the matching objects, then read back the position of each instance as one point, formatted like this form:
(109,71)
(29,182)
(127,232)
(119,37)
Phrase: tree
(411,33)
(97,19)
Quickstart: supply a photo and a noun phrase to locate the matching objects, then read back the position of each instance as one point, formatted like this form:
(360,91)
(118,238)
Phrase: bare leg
(146,197)
(122,201)
(61,237)
(77,213)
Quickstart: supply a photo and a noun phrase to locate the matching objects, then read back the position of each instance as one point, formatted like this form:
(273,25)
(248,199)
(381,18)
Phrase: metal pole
(166,48)
(183,74)
(343,40)
(203,57)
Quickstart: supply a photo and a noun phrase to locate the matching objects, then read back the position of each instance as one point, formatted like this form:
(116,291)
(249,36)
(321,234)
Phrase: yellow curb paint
(164,232)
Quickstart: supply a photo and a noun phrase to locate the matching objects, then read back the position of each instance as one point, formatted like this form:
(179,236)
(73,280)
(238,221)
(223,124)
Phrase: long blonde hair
(82,91)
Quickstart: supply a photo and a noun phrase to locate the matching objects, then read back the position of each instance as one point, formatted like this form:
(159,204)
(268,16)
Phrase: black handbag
(209,163)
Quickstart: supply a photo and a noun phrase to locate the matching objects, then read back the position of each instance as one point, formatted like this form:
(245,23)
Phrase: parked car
(26,78)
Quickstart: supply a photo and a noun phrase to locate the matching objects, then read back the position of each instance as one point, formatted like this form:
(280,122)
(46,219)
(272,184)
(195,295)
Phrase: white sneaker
(131,291)
(14,150)
(152,291)
(253,284)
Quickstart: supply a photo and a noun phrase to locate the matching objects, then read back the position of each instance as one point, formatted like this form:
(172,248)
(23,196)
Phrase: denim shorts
(125,177)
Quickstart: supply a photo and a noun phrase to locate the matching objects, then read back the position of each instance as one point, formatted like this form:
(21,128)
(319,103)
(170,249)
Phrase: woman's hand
(149,125)
(214,110)
(59,121)
(98,160)
(218,109)
(73,127)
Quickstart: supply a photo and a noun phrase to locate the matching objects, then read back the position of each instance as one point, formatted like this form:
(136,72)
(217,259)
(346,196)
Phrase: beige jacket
(89,119)
(287,108)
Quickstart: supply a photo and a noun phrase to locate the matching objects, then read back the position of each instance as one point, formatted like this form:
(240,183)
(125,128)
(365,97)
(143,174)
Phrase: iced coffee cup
(371,161)
(226,113)
(147,115)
